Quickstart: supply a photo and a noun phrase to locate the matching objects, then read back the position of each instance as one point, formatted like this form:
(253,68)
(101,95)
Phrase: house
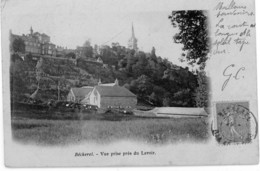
(111,96)
(78,94)
(36,43)
(48,49)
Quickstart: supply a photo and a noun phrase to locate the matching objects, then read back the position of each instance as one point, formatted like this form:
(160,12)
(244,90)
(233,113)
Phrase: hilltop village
(105,76)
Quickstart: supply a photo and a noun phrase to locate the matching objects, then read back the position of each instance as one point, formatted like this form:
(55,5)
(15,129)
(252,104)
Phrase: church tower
(132,43)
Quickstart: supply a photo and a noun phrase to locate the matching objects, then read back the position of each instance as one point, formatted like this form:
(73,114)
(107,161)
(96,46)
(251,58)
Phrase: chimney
(99,82)
(116,82)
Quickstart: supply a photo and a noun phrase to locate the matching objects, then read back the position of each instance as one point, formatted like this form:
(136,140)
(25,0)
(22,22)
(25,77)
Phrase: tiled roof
(114,91)
(81,92)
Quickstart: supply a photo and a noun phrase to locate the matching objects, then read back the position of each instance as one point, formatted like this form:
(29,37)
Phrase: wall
(94,98)
(70,97)
(122,102)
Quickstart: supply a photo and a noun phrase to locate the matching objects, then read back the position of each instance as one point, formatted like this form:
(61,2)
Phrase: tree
(18,45)
(158,94)
(193,35)
(153,55)
(87,43)
(153,51)
(28,58)
(88,49)
(202,91)
(127,86)
(139,67)
(143,86)
(130,62)
(166,101)
(71,55)
(17,79)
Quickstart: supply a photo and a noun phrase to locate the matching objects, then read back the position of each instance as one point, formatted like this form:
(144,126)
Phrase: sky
(71,23)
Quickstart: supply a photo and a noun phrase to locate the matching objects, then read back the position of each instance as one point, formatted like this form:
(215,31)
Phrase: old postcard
(129,83)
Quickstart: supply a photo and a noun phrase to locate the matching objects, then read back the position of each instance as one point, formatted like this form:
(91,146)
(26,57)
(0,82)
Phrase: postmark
(234,123)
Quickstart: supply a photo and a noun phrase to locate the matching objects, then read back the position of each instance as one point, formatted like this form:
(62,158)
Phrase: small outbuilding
(179,112)
(106,97)
(111,95)
(173,112)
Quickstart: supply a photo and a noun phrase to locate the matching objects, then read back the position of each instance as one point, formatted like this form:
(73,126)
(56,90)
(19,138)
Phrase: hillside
(53,72)
(155,81)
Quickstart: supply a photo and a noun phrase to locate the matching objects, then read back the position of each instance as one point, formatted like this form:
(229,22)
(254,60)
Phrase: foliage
(71,55)
(48,73)
(155,81)
(109,56)
(18,45)
(193,35)
(17,81)
(202,91)
(88,51)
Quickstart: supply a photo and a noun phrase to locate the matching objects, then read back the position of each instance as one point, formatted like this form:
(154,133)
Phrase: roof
(181,111)
(114,91)
(81,92)
(108,84)
(87,87)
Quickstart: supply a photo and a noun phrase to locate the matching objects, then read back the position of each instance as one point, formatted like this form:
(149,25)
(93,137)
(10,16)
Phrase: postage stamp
(235,123)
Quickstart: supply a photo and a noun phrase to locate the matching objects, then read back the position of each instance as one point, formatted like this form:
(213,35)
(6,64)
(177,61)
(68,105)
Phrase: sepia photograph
(120,89)
(140,77)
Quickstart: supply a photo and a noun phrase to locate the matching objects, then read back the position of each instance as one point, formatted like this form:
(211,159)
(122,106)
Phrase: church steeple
(132,43)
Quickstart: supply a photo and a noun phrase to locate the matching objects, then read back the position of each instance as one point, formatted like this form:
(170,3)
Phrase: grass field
(101,128)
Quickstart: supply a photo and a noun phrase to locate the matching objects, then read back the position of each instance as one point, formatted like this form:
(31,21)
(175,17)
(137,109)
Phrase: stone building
(60,51)
(104,96)
(48,49)
(36,43)
(111,95)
